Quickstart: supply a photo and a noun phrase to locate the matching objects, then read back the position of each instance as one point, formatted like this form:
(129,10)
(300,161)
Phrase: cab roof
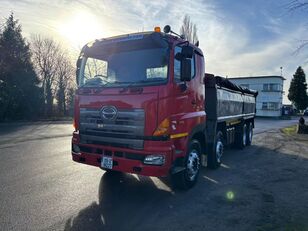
(136,36)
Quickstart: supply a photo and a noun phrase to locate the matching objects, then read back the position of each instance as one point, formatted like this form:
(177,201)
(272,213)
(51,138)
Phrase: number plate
(106,162)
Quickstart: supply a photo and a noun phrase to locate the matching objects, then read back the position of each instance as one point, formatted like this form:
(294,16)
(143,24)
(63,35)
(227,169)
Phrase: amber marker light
(75,124)
(163,128)
(157,29)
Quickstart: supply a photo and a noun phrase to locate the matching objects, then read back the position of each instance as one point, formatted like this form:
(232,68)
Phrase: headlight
(154,160)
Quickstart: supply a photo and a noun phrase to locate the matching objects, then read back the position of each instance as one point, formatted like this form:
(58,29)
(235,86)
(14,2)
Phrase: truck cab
(140,107)
(140,99)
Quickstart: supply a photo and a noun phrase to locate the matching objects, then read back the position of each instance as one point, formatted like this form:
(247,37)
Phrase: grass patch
(290,130)
(292,133)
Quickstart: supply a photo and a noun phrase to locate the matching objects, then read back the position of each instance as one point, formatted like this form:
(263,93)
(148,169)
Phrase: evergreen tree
(20,97)
(298,90)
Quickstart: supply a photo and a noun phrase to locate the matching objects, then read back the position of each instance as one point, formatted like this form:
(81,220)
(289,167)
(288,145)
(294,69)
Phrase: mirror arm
(181,43)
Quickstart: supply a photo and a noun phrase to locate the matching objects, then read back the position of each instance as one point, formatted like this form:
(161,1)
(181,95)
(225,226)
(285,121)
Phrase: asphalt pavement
(43,189)
(263,124)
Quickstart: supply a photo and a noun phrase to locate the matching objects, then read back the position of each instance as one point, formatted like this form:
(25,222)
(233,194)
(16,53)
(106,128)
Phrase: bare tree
(55,70)
(64,81)
(295,5)
(189,30)
(45,54)
(70,99)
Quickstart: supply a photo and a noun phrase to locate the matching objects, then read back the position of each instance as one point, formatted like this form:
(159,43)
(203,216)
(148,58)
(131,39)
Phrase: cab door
(188,96)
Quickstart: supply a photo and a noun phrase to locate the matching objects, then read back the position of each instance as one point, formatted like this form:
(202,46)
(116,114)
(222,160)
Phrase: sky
(238,38)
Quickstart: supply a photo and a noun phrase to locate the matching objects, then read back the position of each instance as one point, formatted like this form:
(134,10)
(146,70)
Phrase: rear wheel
(249,134)
(214,157)
(241,138)
(188,177)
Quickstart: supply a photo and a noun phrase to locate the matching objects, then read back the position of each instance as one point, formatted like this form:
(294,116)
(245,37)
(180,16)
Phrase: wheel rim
(250,133)
(244,136)
(219,150)
(193,165)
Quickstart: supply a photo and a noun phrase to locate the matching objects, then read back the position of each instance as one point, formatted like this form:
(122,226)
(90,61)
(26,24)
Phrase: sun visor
(126,43)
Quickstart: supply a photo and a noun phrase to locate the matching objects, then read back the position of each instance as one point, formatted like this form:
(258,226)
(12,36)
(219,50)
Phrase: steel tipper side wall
(234,105)
(223,105)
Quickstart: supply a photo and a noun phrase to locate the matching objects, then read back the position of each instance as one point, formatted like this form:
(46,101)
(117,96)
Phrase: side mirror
(185,69)
(187,52)
(167,29)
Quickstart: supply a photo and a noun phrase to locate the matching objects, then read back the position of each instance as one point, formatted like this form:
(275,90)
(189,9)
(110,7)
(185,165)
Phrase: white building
(270,88)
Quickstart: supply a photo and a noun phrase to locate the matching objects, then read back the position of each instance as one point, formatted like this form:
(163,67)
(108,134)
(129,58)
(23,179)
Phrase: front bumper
(127,160)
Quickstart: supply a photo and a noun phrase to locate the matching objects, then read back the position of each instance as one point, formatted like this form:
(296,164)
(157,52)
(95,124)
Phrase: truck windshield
(116,67)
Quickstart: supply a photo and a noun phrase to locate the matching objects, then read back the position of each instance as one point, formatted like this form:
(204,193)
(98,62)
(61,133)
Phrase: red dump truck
(144,105)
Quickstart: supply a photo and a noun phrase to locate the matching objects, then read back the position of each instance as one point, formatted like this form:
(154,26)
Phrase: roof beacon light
(157,29)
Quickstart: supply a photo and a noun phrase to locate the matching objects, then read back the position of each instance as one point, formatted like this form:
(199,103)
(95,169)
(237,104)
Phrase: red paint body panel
(148,101)
(185,109)
(127,165)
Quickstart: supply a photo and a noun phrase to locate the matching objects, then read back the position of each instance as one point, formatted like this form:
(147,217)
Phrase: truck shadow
(124,200)
(129,202)
(250,191)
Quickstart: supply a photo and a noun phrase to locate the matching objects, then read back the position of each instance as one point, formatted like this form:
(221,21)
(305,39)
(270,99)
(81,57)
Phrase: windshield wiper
(125,88)
(151,80)
(96,81)
(132,84)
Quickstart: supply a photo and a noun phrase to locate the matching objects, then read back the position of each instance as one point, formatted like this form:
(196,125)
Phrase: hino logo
(109,112)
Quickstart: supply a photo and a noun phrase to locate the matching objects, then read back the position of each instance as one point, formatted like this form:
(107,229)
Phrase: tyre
(241,138)
(249,134)
(187,178)
(214,157)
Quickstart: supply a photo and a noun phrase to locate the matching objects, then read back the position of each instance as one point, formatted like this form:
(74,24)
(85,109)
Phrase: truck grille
(126,130)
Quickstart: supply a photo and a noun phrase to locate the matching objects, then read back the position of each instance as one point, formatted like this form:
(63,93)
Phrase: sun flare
(81,28)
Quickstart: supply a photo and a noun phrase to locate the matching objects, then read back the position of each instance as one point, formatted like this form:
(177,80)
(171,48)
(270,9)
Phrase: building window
(271,87)
(270,106)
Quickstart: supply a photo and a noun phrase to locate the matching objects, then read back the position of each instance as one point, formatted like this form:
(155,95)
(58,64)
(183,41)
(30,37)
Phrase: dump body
(227,101)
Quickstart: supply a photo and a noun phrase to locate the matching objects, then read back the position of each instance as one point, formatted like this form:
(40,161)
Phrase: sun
(80,28)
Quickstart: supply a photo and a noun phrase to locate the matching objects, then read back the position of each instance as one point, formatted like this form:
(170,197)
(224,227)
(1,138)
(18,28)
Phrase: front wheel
(109,171)
(188,177)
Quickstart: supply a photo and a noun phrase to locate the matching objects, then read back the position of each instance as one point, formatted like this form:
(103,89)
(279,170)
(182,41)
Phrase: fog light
(154,160)
(75,148)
